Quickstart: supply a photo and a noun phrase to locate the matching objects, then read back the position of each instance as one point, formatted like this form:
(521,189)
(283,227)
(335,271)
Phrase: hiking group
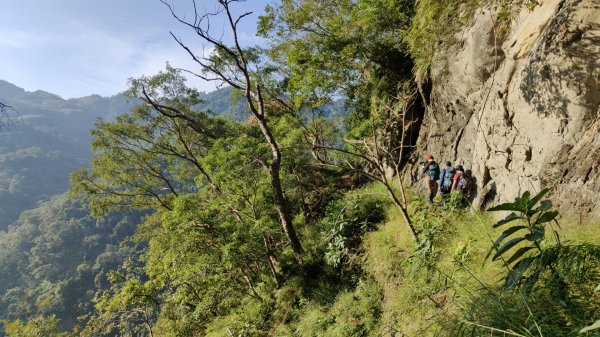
(445,181)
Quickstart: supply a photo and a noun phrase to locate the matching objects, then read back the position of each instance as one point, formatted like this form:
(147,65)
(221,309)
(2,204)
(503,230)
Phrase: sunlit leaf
(507,233)
(536,235)
(509,218)
(518,254)
(545,205)
(506,247)
(524,200)
(546,217)
(537,198)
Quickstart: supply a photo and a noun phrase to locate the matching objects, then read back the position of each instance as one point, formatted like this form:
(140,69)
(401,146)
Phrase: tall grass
(388,285)
(451,290)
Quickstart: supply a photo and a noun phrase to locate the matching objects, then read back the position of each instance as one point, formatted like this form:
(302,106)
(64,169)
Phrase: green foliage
(353,313)
(525,267)
(146,158)
(215,244)
(55,257)
(353,48)
(432,29)
(346,221)
(127,307)
(36,327)
(452,295)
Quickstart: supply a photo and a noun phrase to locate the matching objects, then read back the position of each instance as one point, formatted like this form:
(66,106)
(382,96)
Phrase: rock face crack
(456,142)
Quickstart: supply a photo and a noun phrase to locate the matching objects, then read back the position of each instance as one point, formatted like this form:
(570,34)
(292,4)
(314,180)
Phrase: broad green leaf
(524,200)
(537,198)
(518,254)
(507,233)
(545,205)
(509,218)
(536,235)
(506,247)
(546,217)
(509,206)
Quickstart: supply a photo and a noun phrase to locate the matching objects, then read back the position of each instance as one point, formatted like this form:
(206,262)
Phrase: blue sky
(75,48)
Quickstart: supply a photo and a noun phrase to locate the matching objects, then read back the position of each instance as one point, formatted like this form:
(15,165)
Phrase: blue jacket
(445,171)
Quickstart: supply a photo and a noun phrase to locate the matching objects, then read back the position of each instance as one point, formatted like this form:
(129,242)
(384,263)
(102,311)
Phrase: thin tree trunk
(399,205)
(147,323)
(270,259)
(285,214)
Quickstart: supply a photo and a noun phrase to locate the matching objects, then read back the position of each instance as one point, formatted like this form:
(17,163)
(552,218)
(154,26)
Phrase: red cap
(429,156)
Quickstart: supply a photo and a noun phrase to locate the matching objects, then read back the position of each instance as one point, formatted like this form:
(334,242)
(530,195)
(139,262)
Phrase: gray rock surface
(518,104)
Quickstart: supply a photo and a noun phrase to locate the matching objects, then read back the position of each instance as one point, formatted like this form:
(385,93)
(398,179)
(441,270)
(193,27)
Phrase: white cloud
(76,51)
(14,39)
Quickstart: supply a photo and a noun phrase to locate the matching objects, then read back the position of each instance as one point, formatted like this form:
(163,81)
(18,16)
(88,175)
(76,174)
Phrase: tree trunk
(285,214)
(270,260)
(403,211)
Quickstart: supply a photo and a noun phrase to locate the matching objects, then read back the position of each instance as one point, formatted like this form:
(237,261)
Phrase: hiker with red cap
(431,169)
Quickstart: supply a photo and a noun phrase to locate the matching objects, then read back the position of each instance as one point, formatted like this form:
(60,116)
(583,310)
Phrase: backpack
(464,182)
(434,171)
(448,178)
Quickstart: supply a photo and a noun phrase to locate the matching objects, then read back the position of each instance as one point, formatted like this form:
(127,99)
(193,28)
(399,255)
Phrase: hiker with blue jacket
(446,180)
(431,169)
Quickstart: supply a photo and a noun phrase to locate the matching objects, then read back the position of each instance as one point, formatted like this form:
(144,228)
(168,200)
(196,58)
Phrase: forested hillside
(46,138)
(280,209)
(55,257)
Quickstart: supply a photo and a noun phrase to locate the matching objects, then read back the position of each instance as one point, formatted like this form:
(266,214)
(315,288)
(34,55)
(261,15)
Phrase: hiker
(465,184)
(431,169)
(458,176)
(446,180)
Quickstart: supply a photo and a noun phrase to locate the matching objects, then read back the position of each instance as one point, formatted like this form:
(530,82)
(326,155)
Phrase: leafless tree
(231,64)
(380,156)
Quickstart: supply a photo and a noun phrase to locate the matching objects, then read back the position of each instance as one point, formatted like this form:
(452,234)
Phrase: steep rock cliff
(518,104)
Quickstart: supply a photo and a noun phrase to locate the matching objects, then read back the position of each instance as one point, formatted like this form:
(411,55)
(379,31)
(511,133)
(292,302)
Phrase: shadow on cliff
(565,56)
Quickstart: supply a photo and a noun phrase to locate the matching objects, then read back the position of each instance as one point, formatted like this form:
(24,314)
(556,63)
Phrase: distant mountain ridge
(46,139)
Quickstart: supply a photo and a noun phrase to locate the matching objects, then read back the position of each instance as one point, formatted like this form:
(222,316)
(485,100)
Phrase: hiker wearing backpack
(458,177)
(431,169)
(446,180)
